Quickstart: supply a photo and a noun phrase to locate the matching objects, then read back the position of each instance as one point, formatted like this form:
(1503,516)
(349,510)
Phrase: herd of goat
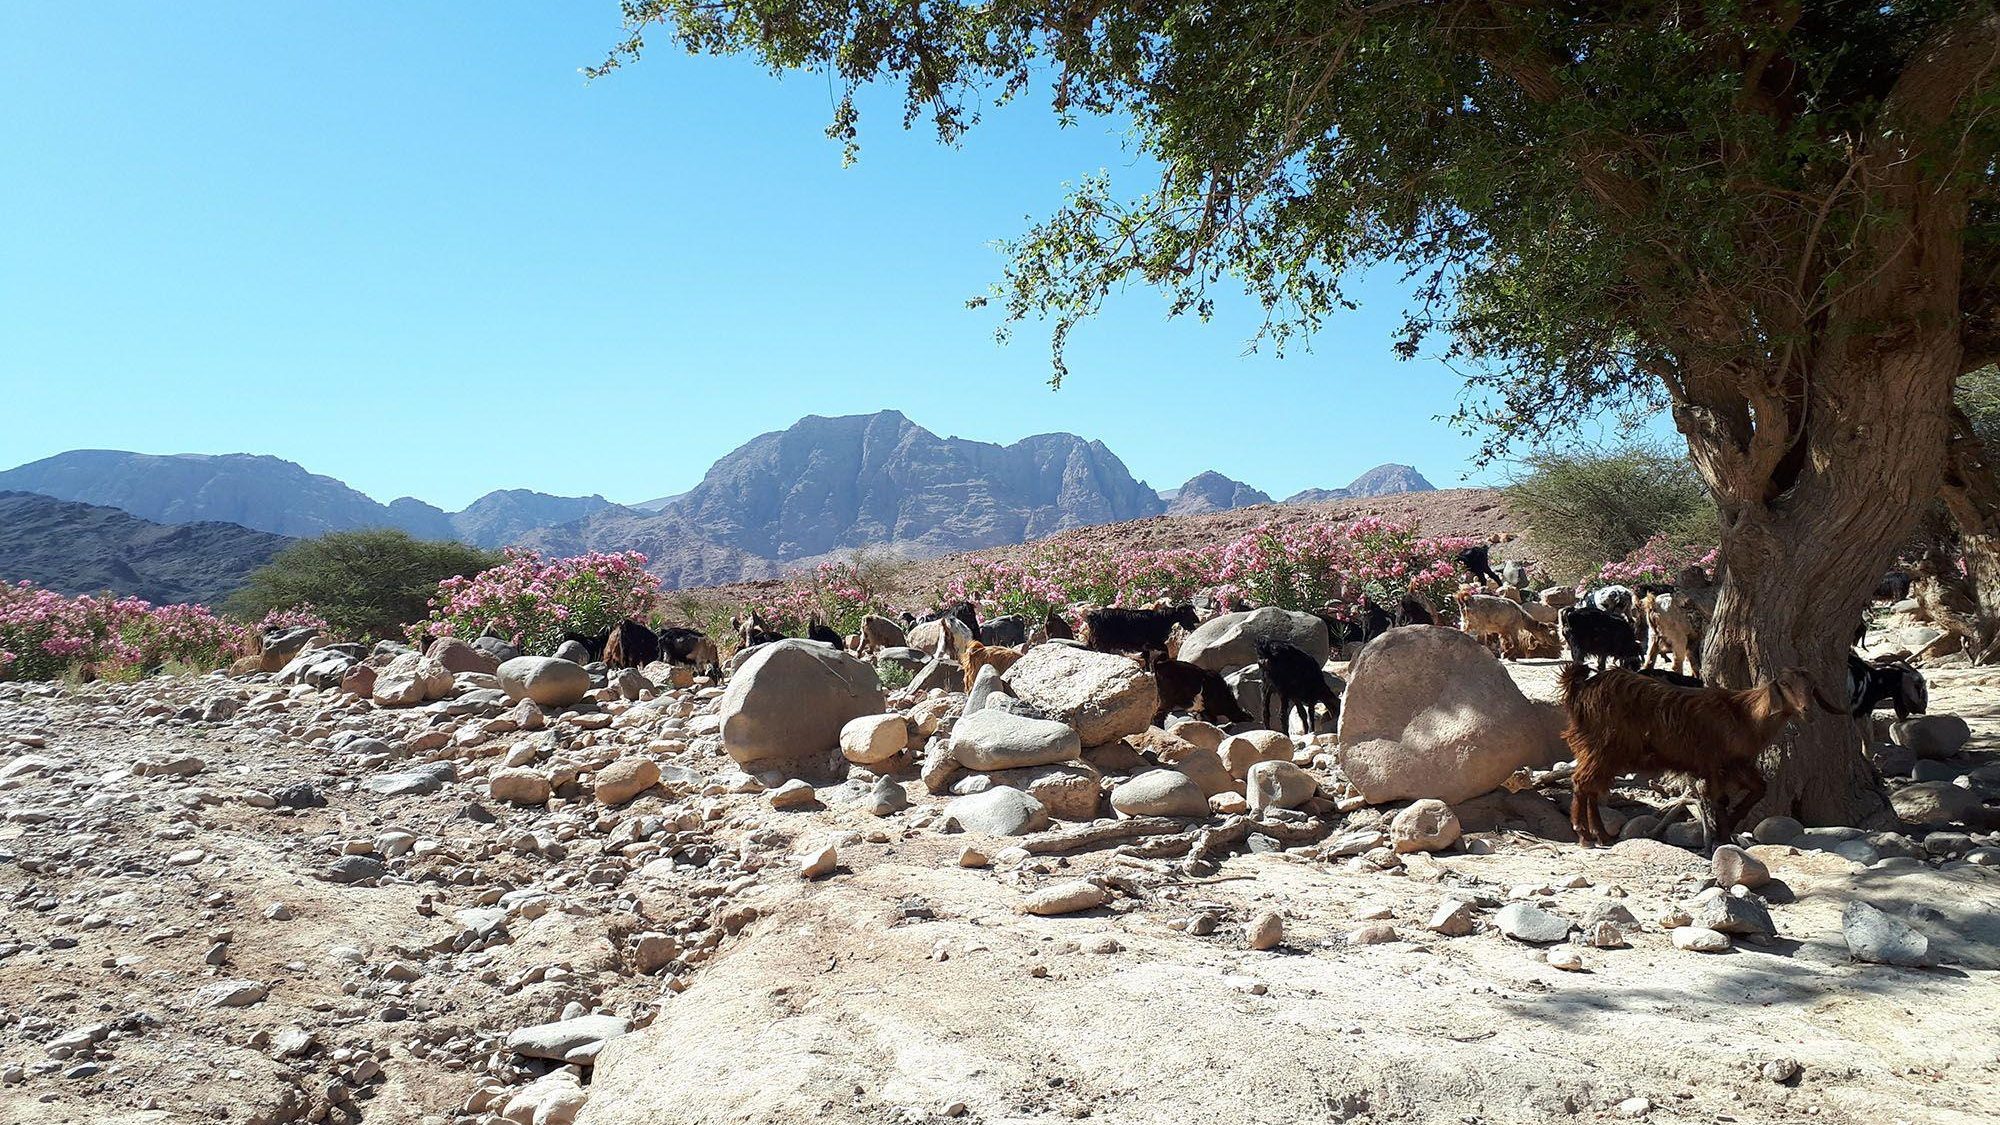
(1626,716)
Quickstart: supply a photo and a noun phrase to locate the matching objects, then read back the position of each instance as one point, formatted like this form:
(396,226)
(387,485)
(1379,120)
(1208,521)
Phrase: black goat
(1669,676)
(1478,562)
(1135,630)
(594,645)
(1597,633)
(1892,681)
(817,630)
(631,645)
(1058,626)
(1289,671)
(1894,587)
(1339,630)
(1412,611)
(755,630)
(689,646)
(1196,690)
(1372,618)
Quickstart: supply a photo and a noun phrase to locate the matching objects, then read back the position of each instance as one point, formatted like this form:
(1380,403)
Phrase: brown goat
(1622,722)
(979,656)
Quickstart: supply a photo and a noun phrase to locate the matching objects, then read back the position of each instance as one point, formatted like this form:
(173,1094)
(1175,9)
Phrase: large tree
(1772,218)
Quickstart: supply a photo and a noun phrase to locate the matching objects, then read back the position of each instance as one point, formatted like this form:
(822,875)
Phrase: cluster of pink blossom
(304,615)
(1298,565)
(1658,560)
(838,594)
(532,601)
(45,635)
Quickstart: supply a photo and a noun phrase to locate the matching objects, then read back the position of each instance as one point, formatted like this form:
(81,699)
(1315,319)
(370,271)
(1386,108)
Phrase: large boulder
(458,656)
(1103,696)
(317,667)
(1430,713)
(411,679)
(548,680)
(993,739)
(281,645)
(999,811)
(784,708)
(1160,793)
(1230,641)
(1933,804)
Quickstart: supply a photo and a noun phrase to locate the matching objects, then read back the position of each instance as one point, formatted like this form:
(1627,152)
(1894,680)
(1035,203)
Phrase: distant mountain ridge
(77,548)
(265,493)
(819,488)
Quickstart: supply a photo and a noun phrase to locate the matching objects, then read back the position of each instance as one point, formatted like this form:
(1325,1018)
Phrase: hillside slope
(85,549)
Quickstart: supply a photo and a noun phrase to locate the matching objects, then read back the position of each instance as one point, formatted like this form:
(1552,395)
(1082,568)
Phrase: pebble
(1567,958)
(818,863)
(973,857)
(1734,867)
(1532,924)
(1452,919)
(1780,1070)
(1066,898)
(1699,939)
(355,869)
(1374,933)
(1265,931)
(1635,1107)
(793,794)
(1882,938)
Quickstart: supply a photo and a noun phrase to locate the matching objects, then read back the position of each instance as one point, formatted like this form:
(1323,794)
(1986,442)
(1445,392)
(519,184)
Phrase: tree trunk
(1808,529)
(1972,495)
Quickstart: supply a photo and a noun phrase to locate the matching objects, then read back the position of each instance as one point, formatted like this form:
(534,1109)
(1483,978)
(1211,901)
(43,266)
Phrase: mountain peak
(1212,492)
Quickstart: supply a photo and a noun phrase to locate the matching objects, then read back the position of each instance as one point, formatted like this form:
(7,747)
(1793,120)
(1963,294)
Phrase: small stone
(1700,939)
(1374,933)
(231,994)
(1732,914)
(1265,931)
(1452,919)
(1532,924)
(792,795)
(1881,938)
(973,857)
(1734,867)
(818,863)
(1428,825)
(1604,935)
(1568,958)
(1780,1070)
(519,785)
(874,738)
(559,1039)
(278,912)
(1635,1107)
(887,798)
(1777,830)
(1066,898)
(625,779)
(355,869)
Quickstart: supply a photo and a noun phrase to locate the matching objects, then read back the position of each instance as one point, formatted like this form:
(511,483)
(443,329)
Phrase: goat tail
(1573,676)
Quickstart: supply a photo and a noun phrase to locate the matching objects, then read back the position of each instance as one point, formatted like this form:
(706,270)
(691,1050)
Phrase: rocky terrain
(84,549)
(1382,480)
(1211,492)
(444,889)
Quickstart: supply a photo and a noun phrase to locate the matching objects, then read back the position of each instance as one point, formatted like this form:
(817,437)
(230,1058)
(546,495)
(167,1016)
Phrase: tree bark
(1972,495)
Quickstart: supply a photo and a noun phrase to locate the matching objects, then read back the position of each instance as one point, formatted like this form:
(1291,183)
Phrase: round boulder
(1103,696)
(1160,793)
(1272,784)
(1230,641)
(458,656)
(1241,751)
(548,680)
(519,785)
(874,738)
(1430,713)
(411,679)
(787,704)
(1428,825)
(993,739)
(625,779)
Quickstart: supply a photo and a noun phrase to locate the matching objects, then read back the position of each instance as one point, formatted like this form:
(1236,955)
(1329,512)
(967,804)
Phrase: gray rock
(1777,830)
(784,708)
(355,869)
(1271,784)
(317,668)
(1229,642)
(549,681)
(1881,938)
(421,781)
(1931,736)
(574,652)
(1428,825)
(1071,791)
(1933,803)
(887,798)
(999,811)
(1160,792)
(1734,867)
(560,1039)
(1700,939)
(231,994)
(1733,914)
(1529,923)
(939,675)
(1103,696)
(993,739)
(983,686)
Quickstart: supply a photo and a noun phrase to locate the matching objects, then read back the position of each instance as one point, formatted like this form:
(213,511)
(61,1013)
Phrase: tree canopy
(1600,204)
(367,584)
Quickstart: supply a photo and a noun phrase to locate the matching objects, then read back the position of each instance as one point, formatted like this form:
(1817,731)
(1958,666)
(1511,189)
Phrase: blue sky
(411,247)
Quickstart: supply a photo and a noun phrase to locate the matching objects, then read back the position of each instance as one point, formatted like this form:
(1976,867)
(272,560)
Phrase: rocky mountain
(1211,492)
(271,494)
(85,549)
(1382,480)
(500,518)
(829,485)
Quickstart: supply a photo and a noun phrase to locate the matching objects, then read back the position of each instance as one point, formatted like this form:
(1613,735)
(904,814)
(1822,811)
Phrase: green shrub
(366,584)
(1587,507)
